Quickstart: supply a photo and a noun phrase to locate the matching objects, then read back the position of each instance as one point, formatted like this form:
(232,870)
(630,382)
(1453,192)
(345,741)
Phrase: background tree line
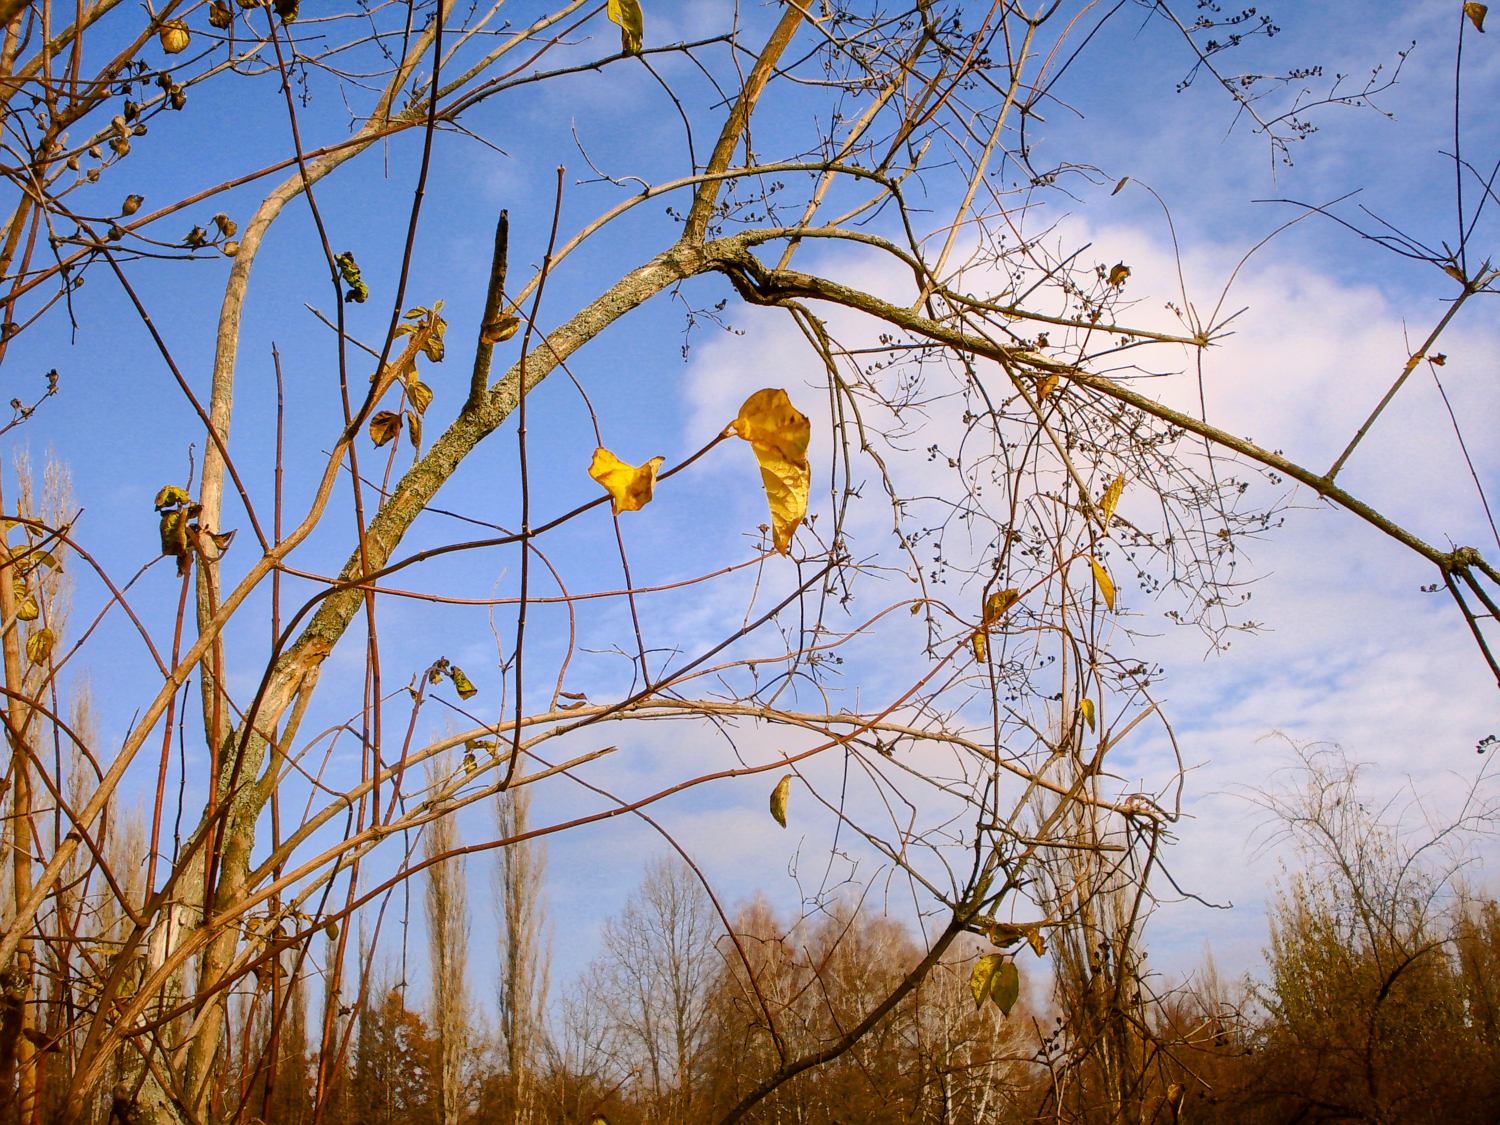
(1379,1001)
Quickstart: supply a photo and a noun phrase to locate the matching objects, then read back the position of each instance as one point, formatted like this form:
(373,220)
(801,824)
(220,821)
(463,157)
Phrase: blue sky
(1351,652)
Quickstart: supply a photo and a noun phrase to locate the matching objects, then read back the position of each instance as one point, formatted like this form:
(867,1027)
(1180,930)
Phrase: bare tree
(447,901)
(651,985)
(524,948)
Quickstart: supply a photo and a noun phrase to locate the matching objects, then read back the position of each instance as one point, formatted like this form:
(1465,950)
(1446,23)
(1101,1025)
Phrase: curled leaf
(384,426)
(174,37)
(1111,498)
(414,429)
(779,433)
(219,14)
(1119,187)
(629,486)
(171,496)
(39,645)
(499,330)
(627,15)
(983,977)
(779,797)
(349,271)
(981,646)
(1086,707)
(1106,587)
(1118,274)
(1049,384)
(997,603)
(1005,989)
(461,684)
(1476,14)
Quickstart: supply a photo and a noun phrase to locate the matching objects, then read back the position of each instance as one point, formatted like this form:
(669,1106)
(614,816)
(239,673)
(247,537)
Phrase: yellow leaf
(1049,384)
(1118,275)
(1005,989)
(1086,705)
(627,14)
(1476,14)
(779,795)
(981,646)
(779,433)
(1106,587)
(384,426)
(420,394)
(499,330)
(461,683)
(174,37)
(1111,498)
(983,976)
(1034,939)
(996,605)
(629,486)
(414,429)
(170,497)
(39,645)
(26,607)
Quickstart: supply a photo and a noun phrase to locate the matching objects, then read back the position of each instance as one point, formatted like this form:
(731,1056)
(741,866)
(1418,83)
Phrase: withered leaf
(461,684)
(983,977)
(420,394)
(39,645)
(629,486)
(384,426)
(627,15)
(981,646)
(1106,587)
(1049,384)
(997,603)
(1118,274)
(779,433)
(1111,498)
(779,797)
(171,496)
(499,330)
(1005,989)
(414,429)
(1476,14)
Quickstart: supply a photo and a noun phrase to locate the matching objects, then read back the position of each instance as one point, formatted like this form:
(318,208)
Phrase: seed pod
(115,234)
(231,248)
(179,99)
(73,164)
(132,111)
(219,15)
(95,153)
(227,226)
(92,175)
(120,146)
(132,204)
(174,37)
